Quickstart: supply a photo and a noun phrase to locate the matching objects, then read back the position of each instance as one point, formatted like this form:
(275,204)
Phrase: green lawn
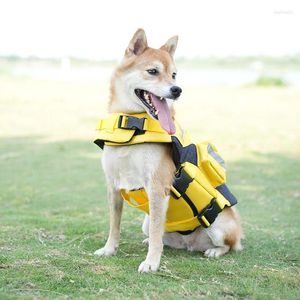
(53,210)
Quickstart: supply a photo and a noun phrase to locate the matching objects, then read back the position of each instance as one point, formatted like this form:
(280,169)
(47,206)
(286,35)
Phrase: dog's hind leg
(115,208)
(225,233)
(219,248)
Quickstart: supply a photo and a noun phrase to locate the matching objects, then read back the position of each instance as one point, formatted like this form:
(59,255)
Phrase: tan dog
(145,81)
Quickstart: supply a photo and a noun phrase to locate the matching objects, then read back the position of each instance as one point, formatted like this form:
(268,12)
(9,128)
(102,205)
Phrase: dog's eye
(174,75)
(153,71)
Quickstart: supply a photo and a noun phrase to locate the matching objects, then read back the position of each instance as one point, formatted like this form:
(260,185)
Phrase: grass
(267,81)
(53,210)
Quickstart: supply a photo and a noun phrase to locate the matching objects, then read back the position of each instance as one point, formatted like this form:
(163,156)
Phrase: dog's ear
(170,45)
(138,44)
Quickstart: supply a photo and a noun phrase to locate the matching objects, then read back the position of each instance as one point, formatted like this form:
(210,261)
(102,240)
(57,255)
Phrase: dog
(150,165)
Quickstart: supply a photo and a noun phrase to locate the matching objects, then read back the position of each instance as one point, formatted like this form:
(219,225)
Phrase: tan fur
(150,165)
(163,177)
(233,237)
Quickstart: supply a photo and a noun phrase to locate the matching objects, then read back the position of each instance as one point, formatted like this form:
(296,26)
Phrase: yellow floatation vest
(199,192)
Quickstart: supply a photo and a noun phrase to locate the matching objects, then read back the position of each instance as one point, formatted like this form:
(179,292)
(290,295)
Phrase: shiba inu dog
(145,81)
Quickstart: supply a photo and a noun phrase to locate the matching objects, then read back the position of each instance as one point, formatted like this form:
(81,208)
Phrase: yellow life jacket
(199,192)
(130,129)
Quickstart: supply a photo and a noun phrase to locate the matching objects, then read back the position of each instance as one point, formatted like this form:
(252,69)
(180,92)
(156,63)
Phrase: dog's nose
(176,91)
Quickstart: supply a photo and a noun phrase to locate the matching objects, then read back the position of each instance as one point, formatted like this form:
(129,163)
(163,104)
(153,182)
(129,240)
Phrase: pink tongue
(164,114)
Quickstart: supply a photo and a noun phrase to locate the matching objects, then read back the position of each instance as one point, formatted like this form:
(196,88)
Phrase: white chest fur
(131,167)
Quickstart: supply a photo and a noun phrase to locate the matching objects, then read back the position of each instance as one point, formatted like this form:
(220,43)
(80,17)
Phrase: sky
(102,29)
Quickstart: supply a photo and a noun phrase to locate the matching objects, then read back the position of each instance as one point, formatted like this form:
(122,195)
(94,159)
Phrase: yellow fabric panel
(185,225)
(137,199)
(178,210)
(215,172)
(120,136)
(200,182)
(221,200)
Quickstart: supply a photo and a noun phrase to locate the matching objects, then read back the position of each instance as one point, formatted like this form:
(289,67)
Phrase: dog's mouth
(158,108)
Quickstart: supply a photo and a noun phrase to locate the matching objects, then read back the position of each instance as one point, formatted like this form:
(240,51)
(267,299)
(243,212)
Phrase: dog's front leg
(158,206)
(115,208)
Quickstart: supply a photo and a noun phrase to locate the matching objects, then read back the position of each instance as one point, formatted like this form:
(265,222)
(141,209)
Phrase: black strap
(212,210)
(187,232)
(182,154)
(181,183)
(224,190)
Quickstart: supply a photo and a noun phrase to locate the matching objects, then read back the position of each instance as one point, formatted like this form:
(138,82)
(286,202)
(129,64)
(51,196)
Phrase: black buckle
(182,181)
(132,123)
(210,213)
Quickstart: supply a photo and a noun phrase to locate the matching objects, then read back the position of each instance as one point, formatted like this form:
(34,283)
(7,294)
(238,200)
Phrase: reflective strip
(215,155)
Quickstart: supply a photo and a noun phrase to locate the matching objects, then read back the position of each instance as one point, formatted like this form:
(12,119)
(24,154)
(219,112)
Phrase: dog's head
(145,81)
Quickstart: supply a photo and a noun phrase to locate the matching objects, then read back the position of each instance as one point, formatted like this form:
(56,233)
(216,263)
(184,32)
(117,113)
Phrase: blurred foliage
(269,81)
(266,62)
(282,62)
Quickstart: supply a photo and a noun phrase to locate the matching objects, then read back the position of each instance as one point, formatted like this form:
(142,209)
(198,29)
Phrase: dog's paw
(106,251)
(216,252)
(146,241)
(146,267)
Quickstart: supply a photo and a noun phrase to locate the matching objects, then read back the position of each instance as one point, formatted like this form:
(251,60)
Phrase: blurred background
(239,67)
(56,53)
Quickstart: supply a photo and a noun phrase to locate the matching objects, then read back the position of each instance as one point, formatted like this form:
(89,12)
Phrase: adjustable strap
(208,215)
(140,122)
(179,187)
